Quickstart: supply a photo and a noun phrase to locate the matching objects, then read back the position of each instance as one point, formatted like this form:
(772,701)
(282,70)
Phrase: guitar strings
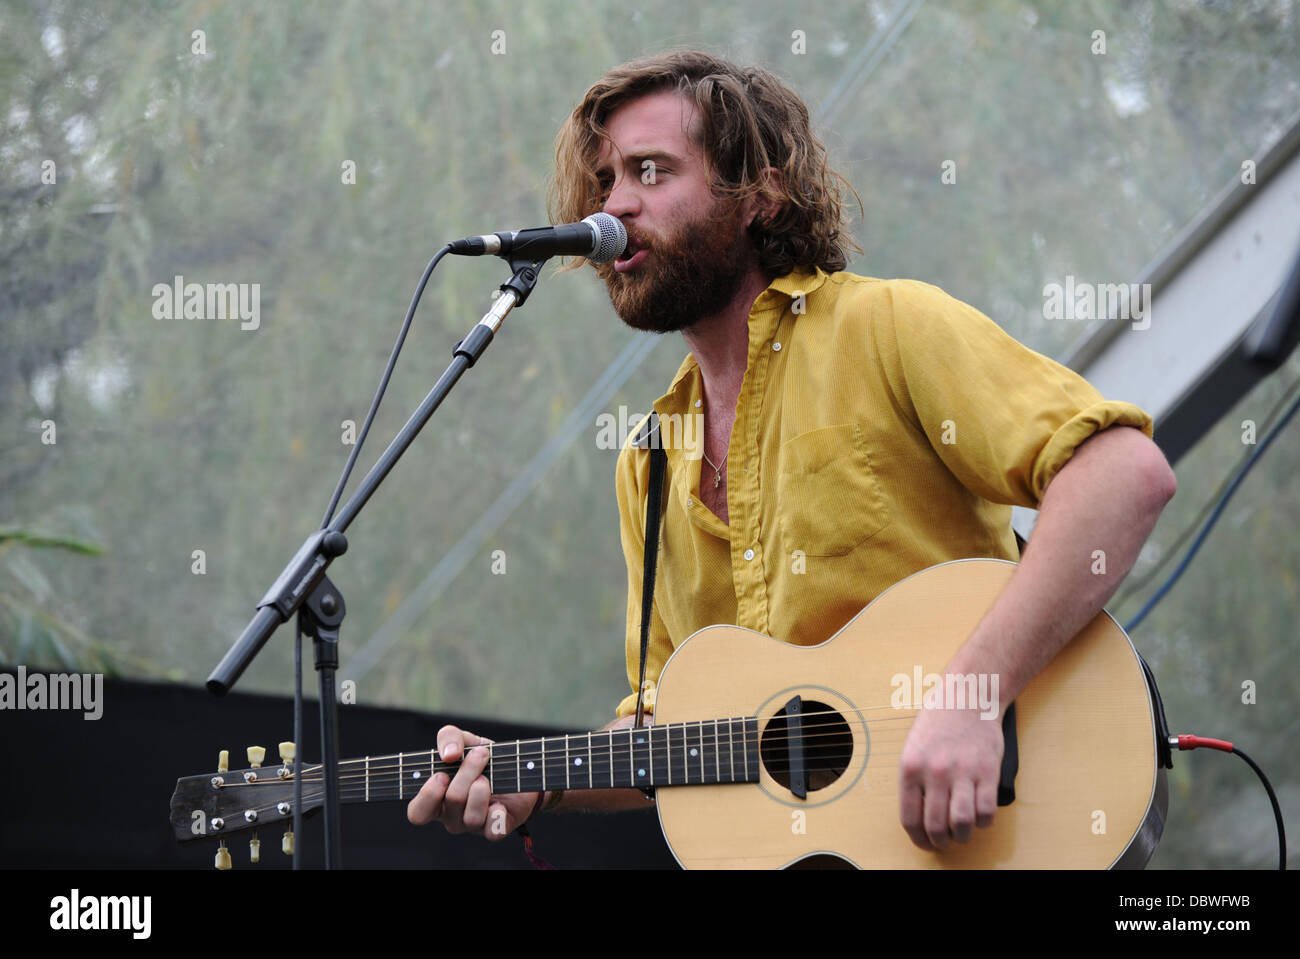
(387,780)
(383,774)
(387,790)
(380,768)
(673,726)
(382,765)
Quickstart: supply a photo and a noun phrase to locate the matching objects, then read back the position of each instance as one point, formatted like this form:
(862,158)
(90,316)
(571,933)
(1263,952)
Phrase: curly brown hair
(749,120)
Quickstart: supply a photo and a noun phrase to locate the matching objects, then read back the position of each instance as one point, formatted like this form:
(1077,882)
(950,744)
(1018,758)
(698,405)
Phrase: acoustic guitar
(763,754)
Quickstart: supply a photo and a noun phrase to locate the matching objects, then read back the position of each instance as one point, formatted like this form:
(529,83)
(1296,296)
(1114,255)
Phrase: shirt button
(749,554)
(776,347)
(690,502)
(698,403)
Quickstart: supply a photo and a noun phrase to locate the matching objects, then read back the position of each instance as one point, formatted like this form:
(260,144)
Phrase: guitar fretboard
(677,754)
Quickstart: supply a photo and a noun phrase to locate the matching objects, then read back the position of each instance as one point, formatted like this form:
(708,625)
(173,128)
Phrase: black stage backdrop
(78,793)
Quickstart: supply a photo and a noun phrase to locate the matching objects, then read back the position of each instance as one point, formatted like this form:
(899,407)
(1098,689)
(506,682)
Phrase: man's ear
(765,210)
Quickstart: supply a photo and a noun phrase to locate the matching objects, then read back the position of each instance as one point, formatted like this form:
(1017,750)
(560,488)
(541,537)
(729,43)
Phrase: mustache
(637,240)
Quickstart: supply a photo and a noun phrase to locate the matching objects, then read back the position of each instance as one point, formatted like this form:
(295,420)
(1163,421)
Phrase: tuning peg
(286,844)
(223,855)
(255,849)
(255,755)
(287,753)
(223,761)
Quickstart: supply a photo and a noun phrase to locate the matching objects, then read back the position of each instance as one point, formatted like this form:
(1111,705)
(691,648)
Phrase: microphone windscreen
(612,237)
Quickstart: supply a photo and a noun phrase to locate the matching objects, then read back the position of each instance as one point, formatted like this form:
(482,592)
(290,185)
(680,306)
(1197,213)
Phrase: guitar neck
(678,754)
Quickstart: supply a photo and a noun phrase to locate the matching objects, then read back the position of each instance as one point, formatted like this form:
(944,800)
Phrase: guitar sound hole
(827,746)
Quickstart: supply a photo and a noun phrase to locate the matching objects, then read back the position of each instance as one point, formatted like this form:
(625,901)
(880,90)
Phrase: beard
(694,272)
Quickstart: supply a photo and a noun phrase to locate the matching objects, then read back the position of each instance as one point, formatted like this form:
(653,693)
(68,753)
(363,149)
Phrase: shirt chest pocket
(829,499)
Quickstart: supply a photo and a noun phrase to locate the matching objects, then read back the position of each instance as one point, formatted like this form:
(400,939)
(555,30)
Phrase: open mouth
(632,257)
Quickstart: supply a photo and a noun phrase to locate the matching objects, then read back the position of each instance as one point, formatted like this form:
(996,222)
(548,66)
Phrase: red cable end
(1203,742)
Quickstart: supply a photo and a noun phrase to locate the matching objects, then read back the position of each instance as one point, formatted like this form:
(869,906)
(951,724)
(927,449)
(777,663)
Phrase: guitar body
(1088,794)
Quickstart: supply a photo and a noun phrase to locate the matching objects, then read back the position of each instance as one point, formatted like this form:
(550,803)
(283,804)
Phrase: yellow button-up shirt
(882,427)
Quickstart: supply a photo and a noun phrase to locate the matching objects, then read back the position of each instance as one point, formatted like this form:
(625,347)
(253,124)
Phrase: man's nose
(623,199)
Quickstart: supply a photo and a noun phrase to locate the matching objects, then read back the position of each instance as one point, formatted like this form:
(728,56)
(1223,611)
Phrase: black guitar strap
(653,506)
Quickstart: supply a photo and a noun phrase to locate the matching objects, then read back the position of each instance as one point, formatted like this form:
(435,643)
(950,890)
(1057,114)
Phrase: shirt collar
(764,316)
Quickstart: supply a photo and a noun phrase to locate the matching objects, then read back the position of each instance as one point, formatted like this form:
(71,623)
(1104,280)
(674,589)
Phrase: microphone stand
(304,588)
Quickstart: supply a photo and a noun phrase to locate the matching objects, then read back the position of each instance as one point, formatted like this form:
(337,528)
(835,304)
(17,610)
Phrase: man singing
(855,430)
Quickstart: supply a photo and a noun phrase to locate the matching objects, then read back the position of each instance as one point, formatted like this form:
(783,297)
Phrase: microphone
(600,237)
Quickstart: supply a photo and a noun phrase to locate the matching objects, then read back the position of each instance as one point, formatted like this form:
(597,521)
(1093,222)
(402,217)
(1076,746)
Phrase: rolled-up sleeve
(1002,417)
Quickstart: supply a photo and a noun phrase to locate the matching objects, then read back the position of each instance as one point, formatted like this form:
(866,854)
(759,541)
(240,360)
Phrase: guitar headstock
(218,805)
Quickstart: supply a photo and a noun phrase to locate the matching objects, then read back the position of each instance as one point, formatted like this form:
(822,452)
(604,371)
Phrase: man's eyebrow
(639,157)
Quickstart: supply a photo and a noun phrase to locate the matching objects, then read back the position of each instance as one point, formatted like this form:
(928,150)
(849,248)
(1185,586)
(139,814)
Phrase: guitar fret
(503,767)
(367,779)
(648,733)
(642,772)
(591,775)
(751,761)
(399,775)
(555,762)
(744,740)
(659,764)
(668,752)
(717,738)
(674,731)
(518,777)
(731,750)
(611,760)
(531,777)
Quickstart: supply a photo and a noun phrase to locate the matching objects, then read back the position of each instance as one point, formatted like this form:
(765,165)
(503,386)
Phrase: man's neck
(720,344)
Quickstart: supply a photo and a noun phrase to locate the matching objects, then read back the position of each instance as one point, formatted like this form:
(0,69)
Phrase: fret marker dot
(530,764)
(640,772)
(415,775)
(694,753)
(640,740)
(578,761)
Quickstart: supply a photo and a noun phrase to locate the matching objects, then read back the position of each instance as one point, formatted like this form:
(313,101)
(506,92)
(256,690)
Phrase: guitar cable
(1187,741)
(1184,742)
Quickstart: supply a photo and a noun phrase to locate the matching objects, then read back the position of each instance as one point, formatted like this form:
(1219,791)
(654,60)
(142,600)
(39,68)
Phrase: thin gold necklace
(717,470)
